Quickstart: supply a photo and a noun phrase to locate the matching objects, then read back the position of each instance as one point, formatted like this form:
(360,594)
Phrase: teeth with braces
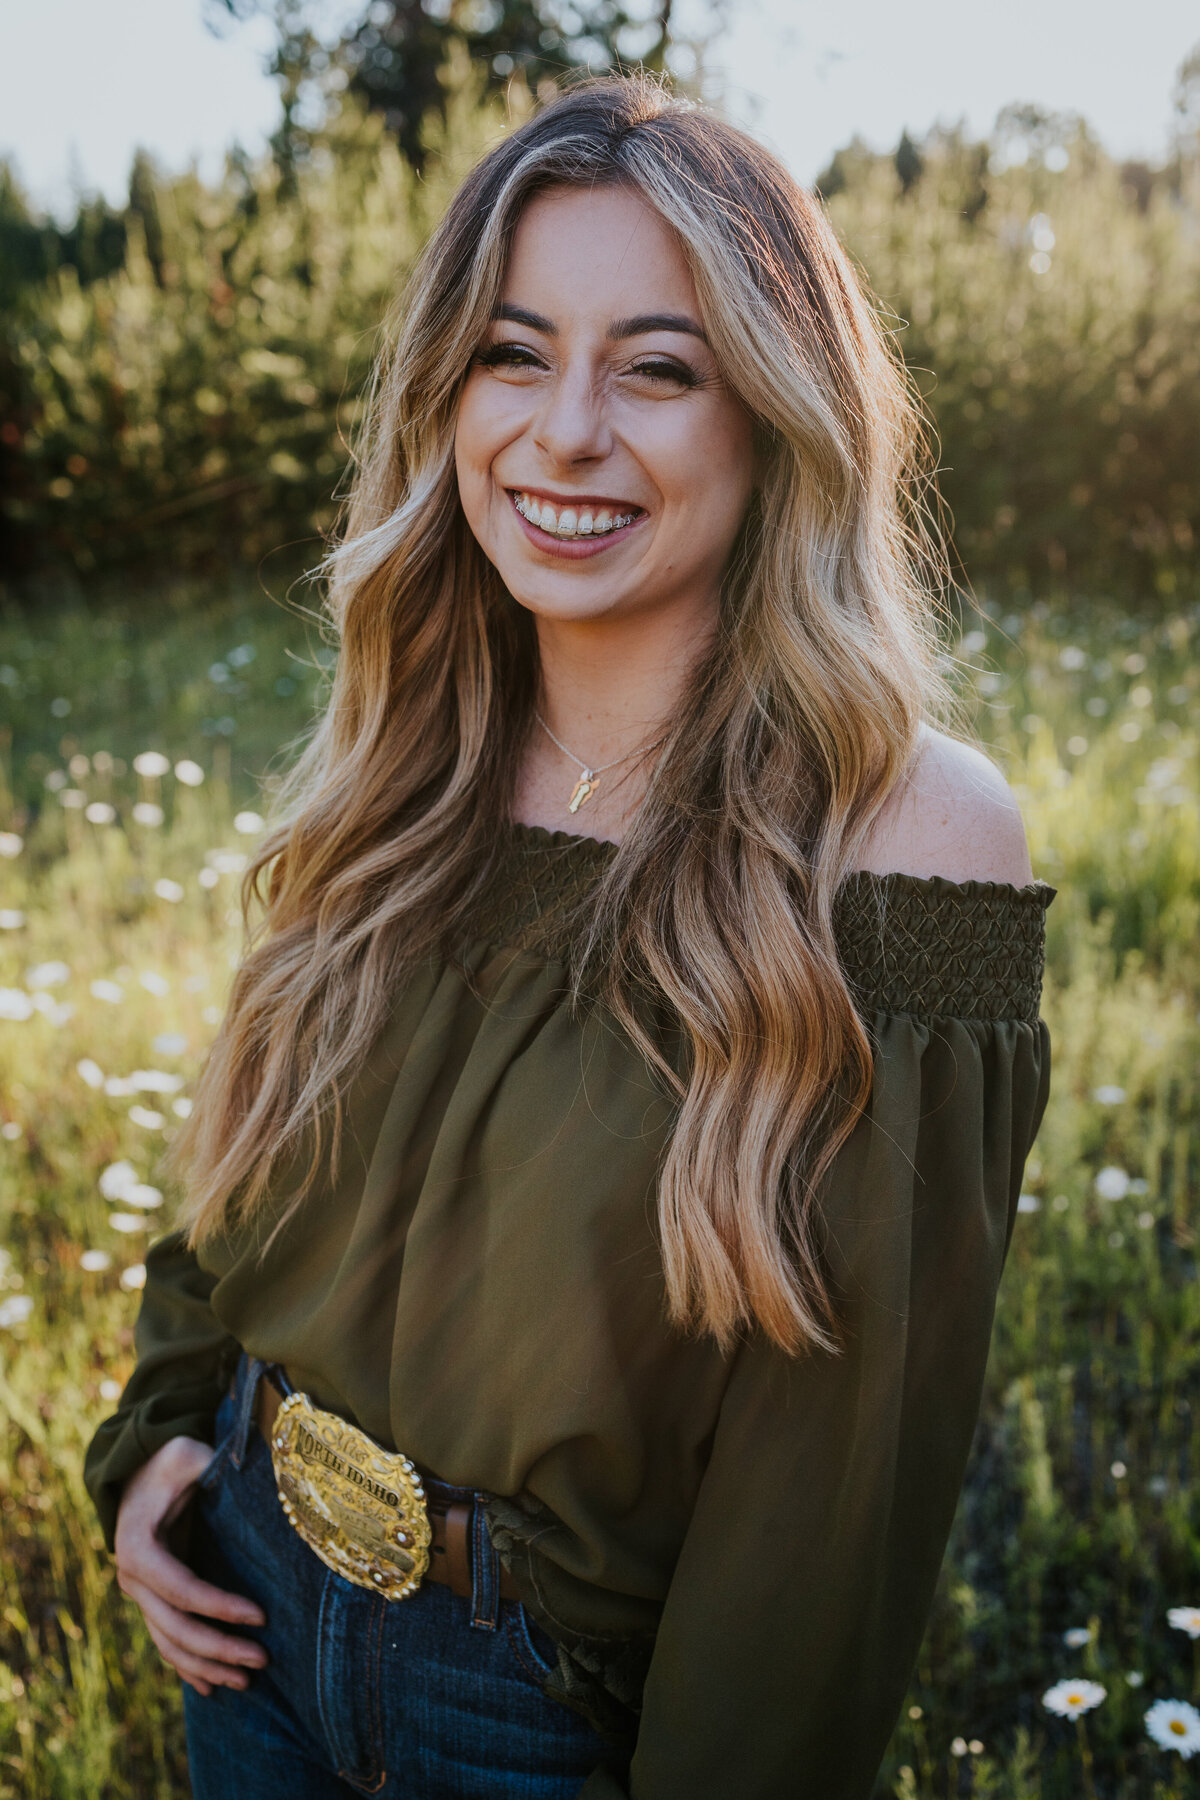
(571,522)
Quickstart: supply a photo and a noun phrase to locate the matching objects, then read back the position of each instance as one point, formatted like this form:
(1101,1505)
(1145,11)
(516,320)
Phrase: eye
(508,356)
(661,368)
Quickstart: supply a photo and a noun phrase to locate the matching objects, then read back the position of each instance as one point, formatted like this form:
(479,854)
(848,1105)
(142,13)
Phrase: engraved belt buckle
(359,1507)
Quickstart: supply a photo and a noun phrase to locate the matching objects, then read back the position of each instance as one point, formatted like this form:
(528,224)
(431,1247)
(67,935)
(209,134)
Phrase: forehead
(596,253)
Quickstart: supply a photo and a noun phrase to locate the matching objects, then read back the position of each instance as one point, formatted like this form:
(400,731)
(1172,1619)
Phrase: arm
(185,1361)
(798,1604)
(143,1464)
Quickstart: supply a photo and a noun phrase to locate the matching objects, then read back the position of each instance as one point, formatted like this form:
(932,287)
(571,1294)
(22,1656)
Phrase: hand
(166,1590)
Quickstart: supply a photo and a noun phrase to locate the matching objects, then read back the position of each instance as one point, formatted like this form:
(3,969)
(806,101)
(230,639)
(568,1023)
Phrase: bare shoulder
(952,815)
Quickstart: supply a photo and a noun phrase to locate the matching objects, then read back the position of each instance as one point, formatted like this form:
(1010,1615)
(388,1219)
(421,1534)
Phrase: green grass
(1080,1511)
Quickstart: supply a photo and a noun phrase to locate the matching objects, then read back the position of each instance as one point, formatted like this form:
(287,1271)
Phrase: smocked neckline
(590,851)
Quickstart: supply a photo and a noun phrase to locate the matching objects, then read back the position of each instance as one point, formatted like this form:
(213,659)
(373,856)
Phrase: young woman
(598,1189)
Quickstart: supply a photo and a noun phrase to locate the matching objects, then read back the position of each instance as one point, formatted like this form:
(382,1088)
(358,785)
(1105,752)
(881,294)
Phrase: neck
(608,687)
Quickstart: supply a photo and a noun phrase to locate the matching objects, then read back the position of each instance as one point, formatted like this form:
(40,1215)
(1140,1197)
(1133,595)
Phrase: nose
(570,426)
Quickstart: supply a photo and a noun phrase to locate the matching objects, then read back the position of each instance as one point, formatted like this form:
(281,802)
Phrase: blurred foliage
(179,380)
(392,54)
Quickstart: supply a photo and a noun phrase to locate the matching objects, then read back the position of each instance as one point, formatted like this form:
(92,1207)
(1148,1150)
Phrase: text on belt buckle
(359,1507)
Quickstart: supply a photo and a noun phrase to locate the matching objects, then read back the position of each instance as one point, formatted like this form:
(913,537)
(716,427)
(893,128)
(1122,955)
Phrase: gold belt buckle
(359,1507)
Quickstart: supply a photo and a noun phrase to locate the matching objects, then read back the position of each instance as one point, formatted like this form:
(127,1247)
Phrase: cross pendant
(585,787)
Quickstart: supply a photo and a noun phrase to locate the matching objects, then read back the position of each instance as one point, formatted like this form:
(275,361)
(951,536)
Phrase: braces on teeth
(571,522)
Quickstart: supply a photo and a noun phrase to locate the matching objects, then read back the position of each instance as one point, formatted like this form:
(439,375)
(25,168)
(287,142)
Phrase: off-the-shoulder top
(735,1553)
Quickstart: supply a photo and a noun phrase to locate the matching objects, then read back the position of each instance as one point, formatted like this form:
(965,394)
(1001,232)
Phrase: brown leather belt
(449,1553)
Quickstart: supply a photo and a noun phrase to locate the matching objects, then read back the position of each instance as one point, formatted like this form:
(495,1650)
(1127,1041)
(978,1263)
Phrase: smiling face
(603,465)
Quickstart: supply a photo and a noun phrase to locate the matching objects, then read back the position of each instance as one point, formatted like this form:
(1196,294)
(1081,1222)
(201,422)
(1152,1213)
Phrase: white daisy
(1077,1637)
(1185,1618)
(168,890)
(133,1277)
(152,763)
(190,773)
(95,1261)
(17,1308)
(1112,1183)
(1174,1725)
(1071,1698)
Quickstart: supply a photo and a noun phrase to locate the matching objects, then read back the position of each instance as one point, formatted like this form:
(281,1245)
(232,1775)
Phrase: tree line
(180,377)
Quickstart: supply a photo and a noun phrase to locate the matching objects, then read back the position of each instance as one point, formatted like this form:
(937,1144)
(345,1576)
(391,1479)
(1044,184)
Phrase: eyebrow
(620,328)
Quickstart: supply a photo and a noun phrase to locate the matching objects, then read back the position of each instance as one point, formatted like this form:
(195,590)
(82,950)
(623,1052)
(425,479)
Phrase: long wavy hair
(795,728)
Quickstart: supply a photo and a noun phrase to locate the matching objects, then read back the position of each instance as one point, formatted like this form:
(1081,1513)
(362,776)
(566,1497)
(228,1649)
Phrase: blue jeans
(436,1697)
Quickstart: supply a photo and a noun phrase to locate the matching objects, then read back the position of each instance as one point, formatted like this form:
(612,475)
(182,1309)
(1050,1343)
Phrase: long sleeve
(797,1607)
(185,1359)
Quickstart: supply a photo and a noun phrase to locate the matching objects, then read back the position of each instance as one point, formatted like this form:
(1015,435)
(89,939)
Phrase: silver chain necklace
(589,779)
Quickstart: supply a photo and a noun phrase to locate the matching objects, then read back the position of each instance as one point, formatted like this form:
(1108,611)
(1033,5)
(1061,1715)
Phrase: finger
(198,1639)
(194,1669)
(156,1569)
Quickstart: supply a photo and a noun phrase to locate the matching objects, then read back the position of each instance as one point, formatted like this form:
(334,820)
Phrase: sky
(85,82)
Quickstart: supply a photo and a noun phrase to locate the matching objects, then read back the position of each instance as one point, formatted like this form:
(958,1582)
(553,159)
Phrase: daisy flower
(1069,1699)
(1185,1618)
(1174,1725)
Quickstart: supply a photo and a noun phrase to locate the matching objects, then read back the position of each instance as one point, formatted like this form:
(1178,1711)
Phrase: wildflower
(169,1043)
(17,1308)
(147,813)
(10,1131)
(117,1088)
(155,1081)
(11,844)
(1077,1637)
(958,1746)
(182,1109)
(1185,1618)
(208,878)
(47,974)
(57,1011)
(168,890)
(56,780)
(225,862)
(976,1747)
(107,990)
(1029,1203)
(110,1390)
(99,812)
(117,1179)
(1109,1096)
(15,1003)
(134,1277)
(1071,1698)
(152,763)
(11,918)
(1135,1678)
(1145,1221)
(143,1196)
(154,983)
(1173,1724)
(122,1221)
(1118,1471)
(146,1117)
(74,799)
(1112,1183)
(247,823)
(190,773)
(95,1261)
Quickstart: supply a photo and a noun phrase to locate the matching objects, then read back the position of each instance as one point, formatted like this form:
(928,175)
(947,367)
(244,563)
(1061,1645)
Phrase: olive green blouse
(735,1553)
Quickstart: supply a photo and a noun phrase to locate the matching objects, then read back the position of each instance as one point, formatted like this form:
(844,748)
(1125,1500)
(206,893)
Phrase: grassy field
(128,799)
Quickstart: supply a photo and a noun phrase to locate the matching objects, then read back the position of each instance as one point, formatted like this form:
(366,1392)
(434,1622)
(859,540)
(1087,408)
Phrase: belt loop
(485,1571)
(249,1373)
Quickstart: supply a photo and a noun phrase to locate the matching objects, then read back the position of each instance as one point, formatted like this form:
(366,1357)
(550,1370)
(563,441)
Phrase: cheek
(707,473)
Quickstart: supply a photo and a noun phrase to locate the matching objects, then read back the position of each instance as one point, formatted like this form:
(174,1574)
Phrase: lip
(577,500)
(569,549)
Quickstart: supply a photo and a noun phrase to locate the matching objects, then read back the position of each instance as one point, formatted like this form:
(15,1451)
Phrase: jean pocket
(534,1649)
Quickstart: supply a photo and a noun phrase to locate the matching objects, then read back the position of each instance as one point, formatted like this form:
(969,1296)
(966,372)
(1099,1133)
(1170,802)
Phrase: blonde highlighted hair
(793,732)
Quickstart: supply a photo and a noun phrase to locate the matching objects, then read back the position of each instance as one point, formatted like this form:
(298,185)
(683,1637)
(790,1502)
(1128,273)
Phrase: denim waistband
(485,1564)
